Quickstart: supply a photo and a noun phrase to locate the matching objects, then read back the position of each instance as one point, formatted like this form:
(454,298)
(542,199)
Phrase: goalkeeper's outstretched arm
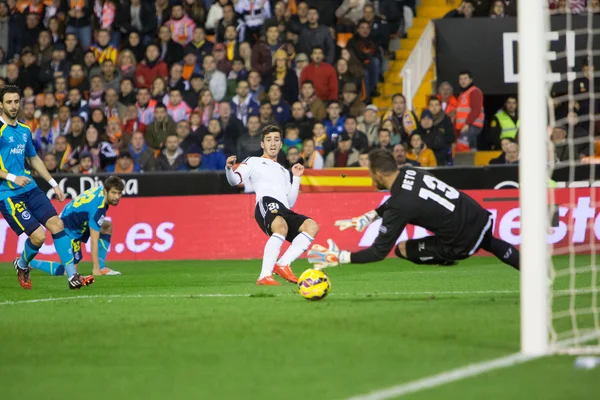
(360,223)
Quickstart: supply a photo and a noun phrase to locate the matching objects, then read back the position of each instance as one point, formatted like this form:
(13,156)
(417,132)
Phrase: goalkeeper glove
(358,223)
(322,257)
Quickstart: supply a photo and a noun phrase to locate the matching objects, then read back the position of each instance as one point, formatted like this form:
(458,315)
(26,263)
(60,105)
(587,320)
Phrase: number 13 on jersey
(443,199)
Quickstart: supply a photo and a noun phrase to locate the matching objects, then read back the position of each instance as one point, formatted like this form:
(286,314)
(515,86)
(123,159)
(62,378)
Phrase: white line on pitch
(461,373)
(200,295)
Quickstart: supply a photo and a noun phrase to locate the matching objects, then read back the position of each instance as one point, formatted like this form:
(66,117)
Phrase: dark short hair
(308,82)
(398,95)
(384,130)
(433,98)
(160,105)
(382,160)
(173,89)
(349,117)
(313,8)
(465,72)
(271,129)
(8,89)
(114,182)
(317,48)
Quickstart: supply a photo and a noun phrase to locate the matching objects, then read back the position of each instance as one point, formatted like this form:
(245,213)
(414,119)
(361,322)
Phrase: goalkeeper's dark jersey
(420,199)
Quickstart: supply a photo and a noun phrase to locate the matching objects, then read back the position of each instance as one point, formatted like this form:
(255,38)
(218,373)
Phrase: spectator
(300,21)
(230,18)
(232,129)
(85,165)
(512,153)
(366,51)
(281,110)
(208,107)
(192,96)
(96,94)
(60,90)
(353,106)
(400,156)
(77,105)
(137,16)
(74,54)
(56,67)
(162,126)
(334,123)
(464,10)
(293,157)
(292,138)
(231,43)
(238,71)
(159,90)
(63,152)
(43,48)
(29,116)
(419,152)
(312,158)
(434,139)
(266,113)
(145,106)
(150,68)
(344,156)
(186,138)
(56,29)
(404,122)
(384,140)
(359,139)
(322,142)
(246,55)
(497,9)
(112,106)
(43,140)
(345,77)
(559,140)
(481,8)
(79,21)
(29,70)
(299,118)
(177,108)
(215,79)
(323,75)
(49,105)
(262,59)
(242,105)
(582,88)
(30,32)
(560,6)
(249,144)
(313,106)
(90,65)
(316,36)
(350,11)
(9,38)
(501,159)
(257,90)
(253,13)
(99,121)
(171,158)
(380,32)
(124,164)
(579,134)
(193,160)
(135,46)
(369,124)
(448,100)
(278,19)
(505,124)
(76,135)
(50,163)
(171,52)
(13,77)
(103,50)
(176,79)
(143,156)
(200,45)
(212,159)
(180,25)
(114,131)
(469,114)
(215,13)
(301,61)
(441,121)
(127,96)
(283,77)
(131,121)
(102,152)
(126,64)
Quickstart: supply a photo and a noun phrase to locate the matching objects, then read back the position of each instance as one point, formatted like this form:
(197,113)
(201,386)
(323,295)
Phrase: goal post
(532,26)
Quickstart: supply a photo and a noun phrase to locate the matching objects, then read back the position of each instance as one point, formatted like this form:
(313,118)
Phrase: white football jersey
(269,178)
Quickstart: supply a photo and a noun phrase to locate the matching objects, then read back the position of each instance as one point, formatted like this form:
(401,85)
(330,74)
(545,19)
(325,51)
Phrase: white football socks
(272,248)
(300,244)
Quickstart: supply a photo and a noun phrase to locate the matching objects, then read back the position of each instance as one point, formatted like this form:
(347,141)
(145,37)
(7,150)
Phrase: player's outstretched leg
(103,246)
(418,251)
(49,267)
(504,251)
(301,243)
(63,246)
(272,248)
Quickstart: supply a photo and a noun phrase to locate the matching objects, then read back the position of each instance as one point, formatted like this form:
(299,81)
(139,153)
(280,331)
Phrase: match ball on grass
(314,284)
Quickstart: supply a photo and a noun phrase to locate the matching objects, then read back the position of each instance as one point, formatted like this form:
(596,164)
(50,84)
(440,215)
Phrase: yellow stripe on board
(336,181)
(13,212)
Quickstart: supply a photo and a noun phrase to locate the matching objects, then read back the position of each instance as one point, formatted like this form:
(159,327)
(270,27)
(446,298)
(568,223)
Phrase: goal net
(572,81)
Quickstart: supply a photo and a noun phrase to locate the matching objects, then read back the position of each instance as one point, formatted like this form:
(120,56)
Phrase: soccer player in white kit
(276,192)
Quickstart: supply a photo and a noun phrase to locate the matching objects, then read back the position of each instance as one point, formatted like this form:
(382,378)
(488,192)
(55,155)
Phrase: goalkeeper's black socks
(501,249)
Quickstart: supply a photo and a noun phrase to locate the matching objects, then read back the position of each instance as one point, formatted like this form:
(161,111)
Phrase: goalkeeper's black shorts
(268,208)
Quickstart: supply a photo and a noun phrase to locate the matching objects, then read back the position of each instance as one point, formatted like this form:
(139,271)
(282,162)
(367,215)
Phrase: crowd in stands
(168,85)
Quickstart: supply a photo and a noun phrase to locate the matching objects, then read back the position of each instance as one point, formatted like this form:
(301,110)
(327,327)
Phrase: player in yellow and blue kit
(83,218)
(22,204)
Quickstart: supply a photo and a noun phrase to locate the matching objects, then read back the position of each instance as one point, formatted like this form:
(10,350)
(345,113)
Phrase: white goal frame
(532,25)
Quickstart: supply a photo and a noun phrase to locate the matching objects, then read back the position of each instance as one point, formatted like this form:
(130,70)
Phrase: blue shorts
(25,212)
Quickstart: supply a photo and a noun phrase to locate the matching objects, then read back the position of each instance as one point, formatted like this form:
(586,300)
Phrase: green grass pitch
(157,333)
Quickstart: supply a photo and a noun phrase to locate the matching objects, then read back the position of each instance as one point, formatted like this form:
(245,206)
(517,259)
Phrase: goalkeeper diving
(460,226)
